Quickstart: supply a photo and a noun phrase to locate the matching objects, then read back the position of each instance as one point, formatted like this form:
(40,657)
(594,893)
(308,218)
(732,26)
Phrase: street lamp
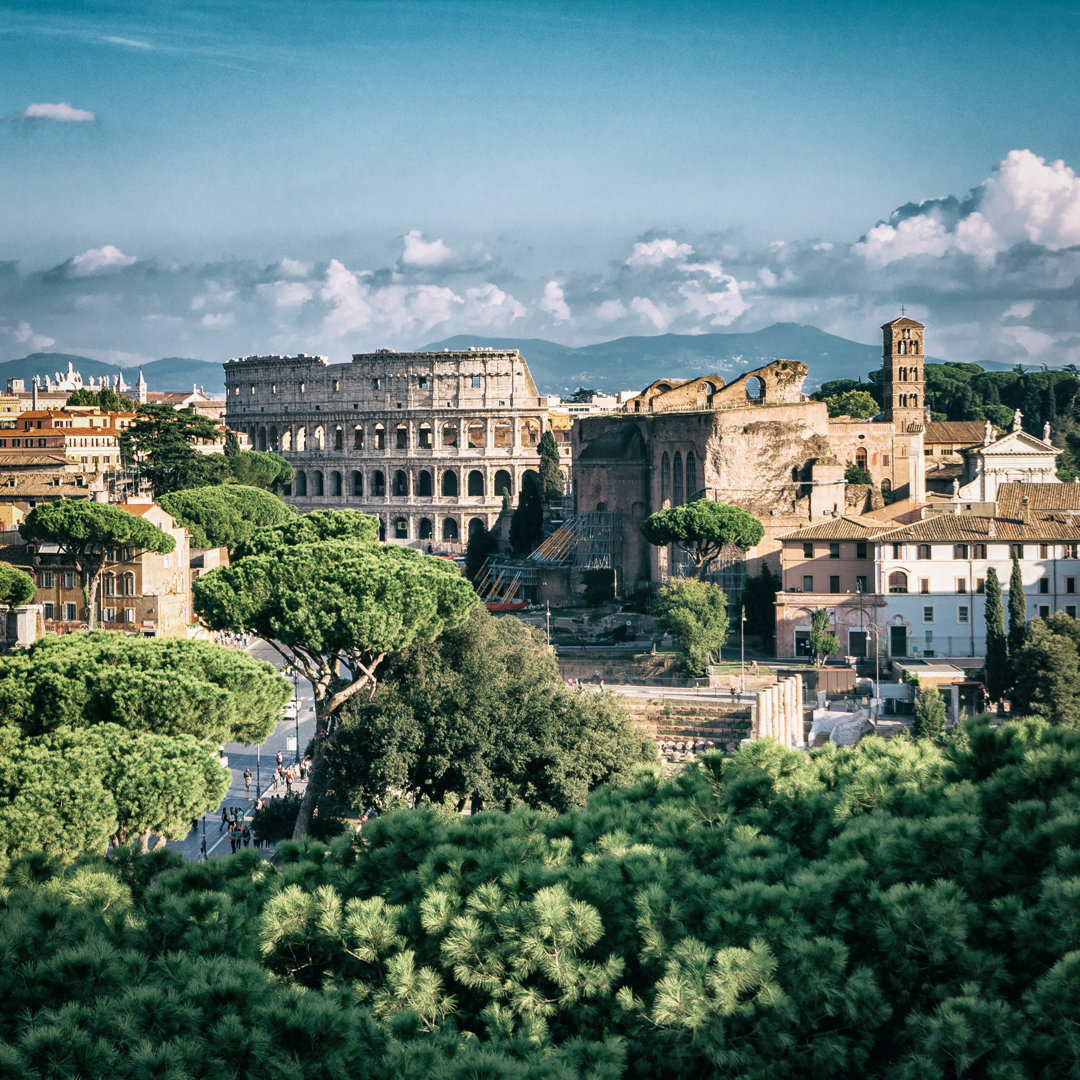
(296,710)
(742,648)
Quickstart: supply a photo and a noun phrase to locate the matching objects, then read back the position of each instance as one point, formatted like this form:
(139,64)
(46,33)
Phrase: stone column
(759,722)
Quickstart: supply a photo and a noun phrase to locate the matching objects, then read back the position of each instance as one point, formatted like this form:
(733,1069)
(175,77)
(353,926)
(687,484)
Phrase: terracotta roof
(1040,497)
(903,321)
(846,527)
(965,432)
(967,528)
(945,471)
(28,461)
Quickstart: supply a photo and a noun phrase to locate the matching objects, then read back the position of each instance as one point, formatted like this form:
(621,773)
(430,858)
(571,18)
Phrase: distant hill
(171,373)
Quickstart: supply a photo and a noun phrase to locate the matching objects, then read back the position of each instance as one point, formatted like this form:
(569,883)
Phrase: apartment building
(83,435)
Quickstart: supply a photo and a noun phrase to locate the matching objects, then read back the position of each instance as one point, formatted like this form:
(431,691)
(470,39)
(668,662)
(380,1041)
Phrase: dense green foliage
(855,403)
(482,543)
(551,478)
(759,604)
(1017,609)
(106,399)
(527,524)
(696,613)
(1047,670)
(703,529)
(481,714)
(105,735)
(17,587)
(85,531)
(334,609)
(823,641)
(258,469)
(855,474)
(929,717)
(897,911)
(998,669)
(225,515)
(350,526)
(160,443)
(597,586)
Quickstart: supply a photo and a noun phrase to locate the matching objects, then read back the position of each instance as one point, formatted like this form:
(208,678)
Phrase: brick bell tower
(902,360)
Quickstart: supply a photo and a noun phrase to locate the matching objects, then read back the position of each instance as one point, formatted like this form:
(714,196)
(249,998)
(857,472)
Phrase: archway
(450,529)
(504,483)
(300,483)
(425,528)
(317,483)
(335,484)
(357,486)
(450,484)
(401,483)
(423,484)
(378,483)
(755,390)
(476,482)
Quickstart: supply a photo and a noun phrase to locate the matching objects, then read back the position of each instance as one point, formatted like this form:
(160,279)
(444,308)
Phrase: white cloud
(285,294)
(1022,309)
(218,320)
(767,277)
(423,254)
(554,302)
(25,335)
(920,235)
(721,307)
(61,111)
(294,268)
(100,260)
(492,305)
(131,43)
(610,310)
(657,252)
(652,313)
(1032,341)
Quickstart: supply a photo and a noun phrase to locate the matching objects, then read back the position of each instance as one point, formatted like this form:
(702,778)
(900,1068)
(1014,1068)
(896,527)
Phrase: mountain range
(628,363)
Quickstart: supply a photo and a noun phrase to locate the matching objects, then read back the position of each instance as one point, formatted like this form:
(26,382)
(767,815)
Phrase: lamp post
(258,771)
(202,849)
(742,648)
(872,629)
(296,710)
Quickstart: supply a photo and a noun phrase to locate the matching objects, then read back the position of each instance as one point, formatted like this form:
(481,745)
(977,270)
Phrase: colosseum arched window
(449,484)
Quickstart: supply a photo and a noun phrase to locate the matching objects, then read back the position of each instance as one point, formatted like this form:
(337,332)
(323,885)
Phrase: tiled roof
(903,321)
(967,528)
(847,527)
(1039,496)
(31,461)
(965,432)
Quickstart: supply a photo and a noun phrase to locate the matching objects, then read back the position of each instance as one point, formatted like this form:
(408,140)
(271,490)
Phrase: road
(260,760)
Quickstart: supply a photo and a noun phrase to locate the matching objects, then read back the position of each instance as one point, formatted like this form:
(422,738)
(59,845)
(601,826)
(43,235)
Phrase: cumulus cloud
(24,335)
(294,268)
(286,294)
(217,320)
(554,302)
(650,312)
(657,252)
(424,254)
(61,112)
(99,260)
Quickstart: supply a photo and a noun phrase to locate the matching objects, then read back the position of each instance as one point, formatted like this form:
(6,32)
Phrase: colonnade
(779,713)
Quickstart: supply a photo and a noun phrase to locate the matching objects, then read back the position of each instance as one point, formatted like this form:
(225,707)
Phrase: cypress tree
(551,478)
(998,674)
(1017,609)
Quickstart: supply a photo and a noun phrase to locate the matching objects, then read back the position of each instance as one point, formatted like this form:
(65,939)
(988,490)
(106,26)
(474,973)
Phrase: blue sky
(209,179)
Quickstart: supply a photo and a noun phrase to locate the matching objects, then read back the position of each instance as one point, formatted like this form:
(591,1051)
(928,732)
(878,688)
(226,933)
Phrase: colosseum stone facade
(426,441)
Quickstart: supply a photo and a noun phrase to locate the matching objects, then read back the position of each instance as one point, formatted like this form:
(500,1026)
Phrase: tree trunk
(314,783)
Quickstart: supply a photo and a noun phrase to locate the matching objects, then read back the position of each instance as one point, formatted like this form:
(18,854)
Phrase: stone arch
(475,435)
(886,484)
(301,439)
(272,438)
(450,529)
(356,486)
(425,529)
(755,390)
(665,481)
(530,476)
(339,439)
(449,437)
(317,483)
(286,441)
(504,482)
(378,483)
(401,483)
(320,438)
(424,487)
(425,437)
(382,530)
(450,484)
(476,524)
(300,483)
(860,457)
(401,528)
(335,484)
(691,475)
(529,430)
(380,436)
(358,437)
(503,434)
(475,483)
(260,442)
(898,582)
(401,437)
(677,493)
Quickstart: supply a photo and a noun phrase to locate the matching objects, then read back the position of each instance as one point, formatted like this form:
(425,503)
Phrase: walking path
(261,760)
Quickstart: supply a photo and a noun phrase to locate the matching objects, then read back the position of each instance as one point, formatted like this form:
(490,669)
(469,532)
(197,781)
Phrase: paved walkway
(261,760)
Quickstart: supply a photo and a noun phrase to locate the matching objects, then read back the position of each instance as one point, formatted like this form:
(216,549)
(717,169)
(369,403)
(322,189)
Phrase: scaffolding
(599,540)
(558,548)
(504,582)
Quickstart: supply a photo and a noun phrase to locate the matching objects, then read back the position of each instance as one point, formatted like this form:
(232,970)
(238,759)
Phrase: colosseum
(426,441)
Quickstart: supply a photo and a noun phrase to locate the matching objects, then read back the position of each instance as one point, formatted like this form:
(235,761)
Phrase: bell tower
(902,383)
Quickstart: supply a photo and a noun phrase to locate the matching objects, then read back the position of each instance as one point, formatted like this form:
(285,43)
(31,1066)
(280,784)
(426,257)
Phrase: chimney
(1025,509)
(33,393)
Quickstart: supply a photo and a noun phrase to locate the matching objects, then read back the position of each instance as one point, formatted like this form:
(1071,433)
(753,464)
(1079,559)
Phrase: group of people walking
(240,834)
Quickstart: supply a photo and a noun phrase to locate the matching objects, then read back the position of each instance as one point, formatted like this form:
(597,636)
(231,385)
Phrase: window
(898,582)
(108,614)
(980,585)
(924,551)
(884,459)
(421,381)
(960,551)
(1070,610)
(807,583)
(377,382)
(1044,551)
(897,551)
(924,584)
(860,550)
(834,551)
(49,610)
(337,385)
(963,613)
(961,584)
(1070,584)
(1016,550)
(71,613)
(860,583)
(1072,551)
(808,551)
(1044,585)
(68,580)
(928,613)
(834,583)
(129,615)
(980,551)
(45,579)
(1044,611)
(476,382)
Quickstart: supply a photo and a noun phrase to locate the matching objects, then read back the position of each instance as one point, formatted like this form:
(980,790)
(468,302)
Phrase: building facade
(428,442)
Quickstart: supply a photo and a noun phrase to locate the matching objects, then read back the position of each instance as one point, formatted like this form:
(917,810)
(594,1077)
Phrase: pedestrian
(247,779)
(224,819)
(734,684)
(288,782)
(279,759)
(246,834)
(232,836)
